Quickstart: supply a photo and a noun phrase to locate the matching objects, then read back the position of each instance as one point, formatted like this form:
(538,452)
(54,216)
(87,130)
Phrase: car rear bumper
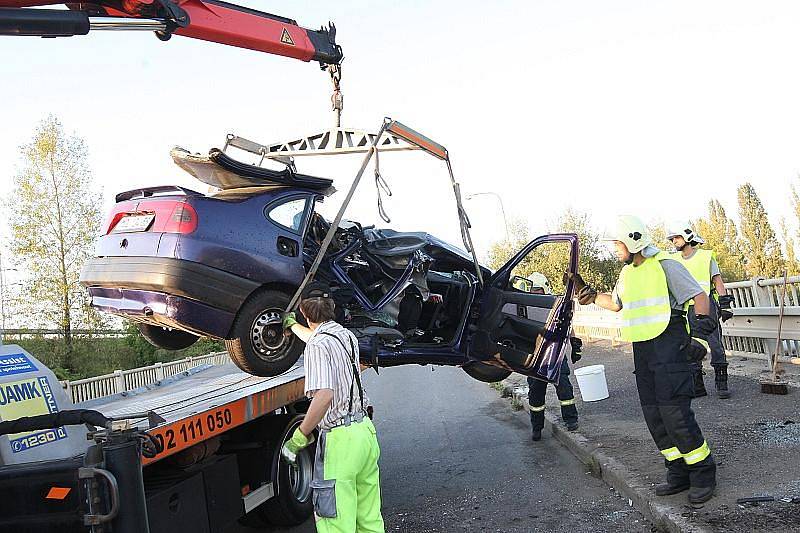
(174,277)
(164,309)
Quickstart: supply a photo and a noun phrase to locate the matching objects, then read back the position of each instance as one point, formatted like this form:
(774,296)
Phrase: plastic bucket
(592,382)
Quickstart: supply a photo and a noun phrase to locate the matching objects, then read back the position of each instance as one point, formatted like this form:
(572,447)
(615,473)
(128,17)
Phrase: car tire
(258,344)
(292,504)
(168,339)
(485,373)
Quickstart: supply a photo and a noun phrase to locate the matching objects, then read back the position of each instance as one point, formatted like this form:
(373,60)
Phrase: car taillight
(182,220)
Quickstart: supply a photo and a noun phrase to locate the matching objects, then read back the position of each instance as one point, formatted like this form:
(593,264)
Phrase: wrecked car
(224,264)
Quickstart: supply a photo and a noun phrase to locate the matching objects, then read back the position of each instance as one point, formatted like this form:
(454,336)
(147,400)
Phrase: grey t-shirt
(714,266)
(681,285)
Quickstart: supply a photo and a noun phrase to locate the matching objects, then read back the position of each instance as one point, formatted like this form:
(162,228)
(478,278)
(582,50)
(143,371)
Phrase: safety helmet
(632,232)
(540,280)
(683,229)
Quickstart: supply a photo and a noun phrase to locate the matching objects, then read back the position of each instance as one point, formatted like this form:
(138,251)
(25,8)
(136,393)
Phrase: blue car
(184,264)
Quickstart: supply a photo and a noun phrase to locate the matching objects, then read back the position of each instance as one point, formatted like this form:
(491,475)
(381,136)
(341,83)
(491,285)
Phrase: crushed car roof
(222,171)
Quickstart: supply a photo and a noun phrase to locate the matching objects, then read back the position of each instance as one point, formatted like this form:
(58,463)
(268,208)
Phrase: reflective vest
(699,266)
(645,299)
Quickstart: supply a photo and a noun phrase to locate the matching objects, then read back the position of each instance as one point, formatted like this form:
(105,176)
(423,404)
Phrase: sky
(648,108)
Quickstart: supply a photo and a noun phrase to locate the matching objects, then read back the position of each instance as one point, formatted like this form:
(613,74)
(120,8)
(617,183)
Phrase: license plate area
(134,223)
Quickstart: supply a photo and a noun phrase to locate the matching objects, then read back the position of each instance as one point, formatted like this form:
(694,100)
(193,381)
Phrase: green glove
(293,446)
(289,320)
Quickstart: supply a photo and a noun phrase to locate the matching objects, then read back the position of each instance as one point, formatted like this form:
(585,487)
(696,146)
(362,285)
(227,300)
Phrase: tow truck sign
(29,397)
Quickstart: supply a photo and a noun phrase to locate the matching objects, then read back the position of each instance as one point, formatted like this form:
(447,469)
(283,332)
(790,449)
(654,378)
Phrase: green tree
(721,235)
(762,251)
(792,265)
(54,218)
(595,263)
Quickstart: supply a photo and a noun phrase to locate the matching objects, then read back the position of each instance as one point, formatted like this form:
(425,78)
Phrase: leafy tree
(595,263)
(762,251)
(54,218)
(721,235)
(792,265)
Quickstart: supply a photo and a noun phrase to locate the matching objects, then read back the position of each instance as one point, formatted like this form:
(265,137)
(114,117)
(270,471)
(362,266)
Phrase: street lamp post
(502,208)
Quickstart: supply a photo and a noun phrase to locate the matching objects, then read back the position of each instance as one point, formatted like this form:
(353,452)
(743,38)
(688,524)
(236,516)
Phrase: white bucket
(592,382)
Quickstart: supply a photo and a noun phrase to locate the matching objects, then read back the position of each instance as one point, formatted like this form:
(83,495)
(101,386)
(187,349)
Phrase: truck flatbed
(203,403)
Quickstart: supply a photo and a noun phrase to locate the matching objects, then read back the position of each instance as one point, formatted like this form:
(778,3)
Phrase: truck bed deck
(203,403)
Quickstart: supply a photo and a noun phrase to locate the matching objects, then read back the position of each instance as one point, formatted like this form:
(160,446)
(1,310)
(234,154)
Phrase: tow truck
(194,452)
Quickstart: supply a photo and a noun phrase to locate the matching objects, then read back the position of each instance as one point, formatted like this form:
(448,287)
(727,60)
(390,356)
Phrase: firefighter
(651,292)
(538,388)
(703,266)
(346,481)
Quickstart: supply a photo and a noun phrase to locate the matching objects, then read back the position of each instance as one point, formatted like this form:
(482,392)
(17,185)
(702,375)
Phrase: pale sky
(611,107)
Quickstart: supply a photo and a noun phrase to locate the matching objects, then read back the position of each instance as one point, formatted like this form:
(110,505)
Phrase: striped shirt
(329,366)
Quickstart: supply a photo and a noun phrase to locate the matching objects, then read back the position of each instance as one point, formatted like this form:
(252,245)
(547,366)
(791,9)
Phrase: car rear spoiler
(147,192)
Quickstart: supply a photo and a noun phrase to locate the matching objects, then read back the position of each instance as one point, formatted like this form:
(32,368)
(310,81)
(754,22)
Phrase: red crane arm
(210,20)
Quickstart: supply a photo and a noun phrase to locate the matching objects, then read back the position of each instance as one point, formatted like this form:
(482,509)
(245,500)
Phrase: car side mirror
(521,284)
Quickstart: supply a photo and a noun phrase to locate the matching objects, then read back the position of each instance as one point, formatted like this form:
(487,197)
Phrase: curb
(613,473)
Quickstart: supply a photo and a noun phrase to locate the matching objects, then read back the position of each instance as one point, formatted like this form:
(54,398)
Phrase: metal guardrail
(752,331)
(27,333)
(120,381)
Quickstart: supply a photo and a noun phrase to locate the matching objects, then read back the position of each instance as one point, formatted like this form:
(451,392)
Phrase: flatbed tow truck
(190,453)
(194,452)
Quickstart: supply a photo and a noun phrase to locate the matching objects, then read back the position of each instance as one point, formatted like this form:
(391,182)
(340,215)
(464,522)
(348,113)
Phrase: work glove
(579,282)
(370,412)
(289,320)
(705,325)
(725,301)
(725,314)
(696,350)
(577,349)
(293,446)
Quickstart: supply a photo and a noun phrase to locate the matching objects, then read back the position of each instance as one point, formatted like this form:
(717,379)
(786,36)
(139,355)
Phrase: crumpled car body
(184,265)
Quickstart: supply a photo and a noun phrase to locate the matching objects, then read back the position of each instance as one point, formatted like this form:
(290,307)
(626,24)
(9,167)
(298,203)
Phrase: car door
(523,316)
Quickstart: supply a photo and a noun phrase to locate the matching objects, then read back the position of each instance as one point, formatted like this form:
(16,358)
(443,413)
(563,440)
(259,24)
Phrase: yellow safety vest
(699,266)
(645,299)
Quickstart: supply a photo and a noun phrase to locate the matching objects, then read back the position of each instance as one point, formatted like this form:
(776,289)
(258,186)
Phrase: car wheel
(258,344)
(485,373)
(168,339)
(292,504)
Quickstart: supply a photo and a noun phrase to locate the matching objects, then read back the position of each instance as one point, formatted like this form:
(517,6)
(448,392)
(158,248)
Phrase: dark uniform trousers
(536,393)
(714,340)
(664,383)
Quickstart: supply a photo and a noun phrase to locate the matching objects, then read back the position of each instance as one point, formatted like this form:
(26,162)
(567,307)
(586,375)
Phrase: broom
(774,384)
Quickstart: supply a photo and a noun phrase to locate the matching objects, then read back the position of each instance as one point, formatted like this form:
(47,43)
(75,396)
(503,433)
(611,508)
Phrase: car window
(289,214)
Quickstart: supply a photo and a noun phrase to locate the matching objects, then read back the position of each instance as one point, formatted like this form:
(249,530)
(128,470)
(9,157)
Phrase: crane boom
(209,20)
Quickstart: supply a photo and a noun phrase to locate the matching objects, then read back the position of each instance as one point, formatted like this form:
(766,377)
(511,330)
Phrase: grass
(91,357)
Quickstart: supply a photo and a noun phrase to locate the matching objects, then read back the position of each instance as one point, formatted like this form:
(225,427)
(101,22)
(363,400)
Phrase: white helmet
(540,280)
(682,229)
(632,232)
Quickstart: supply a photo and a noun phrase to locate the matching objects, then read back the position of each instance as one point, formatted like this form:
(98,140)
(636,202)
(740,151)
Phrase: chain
(337,98)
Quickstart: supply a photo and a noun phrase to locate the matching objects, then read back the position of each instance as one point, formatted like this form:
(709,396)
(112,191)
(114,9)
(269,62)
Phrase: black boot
(536,435)
(677,478)
(699,386)
(700,494)
(721,381)
(665,489)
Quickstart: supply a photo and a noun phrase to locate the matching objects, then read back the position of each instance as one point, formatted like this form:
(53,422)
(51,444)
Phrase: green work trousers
(347,488)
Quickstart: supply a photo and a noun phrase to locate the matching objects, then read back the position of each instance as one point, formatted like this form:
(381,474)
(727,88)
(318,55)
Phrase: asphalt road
(455,457)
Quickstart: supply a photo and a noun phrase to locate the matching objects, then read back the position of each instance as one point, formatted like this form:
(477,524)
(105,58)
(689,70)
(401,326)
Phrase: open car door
(526,324)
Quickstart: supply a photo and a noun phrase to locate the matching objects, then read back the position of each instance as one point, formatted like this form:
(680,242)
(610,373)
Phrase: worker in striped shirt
(346,480)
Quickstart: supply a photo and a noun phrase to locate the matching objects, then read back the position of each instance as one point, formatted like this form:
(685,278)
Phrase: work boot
(700,494)
(665,489)
(536,435)
(699,386)
(721,381)
(572,426)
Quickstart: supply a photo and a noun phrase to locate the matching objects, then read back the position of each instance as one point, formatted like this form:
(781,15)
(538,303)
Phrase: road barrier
(121,381)
(752,331)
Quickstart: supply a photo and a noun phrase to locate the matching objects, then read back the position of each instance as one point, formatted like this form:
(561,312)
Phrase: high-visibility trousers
(664,383)
(347,489)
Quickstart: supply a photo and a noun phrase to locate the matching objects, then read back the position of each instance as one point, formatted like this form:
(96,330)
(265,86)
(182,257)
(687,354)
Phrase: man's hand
(696,350)
(293,446)
(705,325)
(289,320)
(577,278)
(577,349)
